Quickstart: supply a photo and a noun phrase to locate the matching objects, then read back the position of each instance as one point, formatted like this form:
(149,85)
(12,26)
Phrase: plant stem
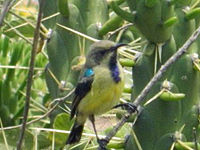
(30,75)
(6,6)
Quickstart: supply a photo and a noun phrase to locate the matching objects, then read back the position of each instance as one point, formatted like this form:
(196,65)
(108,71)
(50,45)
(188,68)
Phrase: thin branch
(30,75)
(67,132)
(4,136)
(51,16)
(6,6)
(110,34)
(57,101)
(19,67)
(27,21)
(78,33)
(152,82)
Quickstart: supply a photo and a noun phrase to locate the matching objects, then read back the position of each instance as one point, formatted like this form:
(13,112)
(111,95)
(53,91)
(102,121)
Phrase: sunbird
(99,87)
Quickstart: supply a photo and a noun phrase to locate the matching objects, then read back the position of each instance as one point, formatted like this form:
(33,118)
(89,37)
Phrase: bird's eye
(102,52)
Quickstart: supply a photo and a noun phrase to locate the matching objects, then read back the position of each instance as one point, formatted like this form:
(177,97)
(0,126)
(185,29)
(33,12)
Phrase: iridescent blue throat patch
(88,72)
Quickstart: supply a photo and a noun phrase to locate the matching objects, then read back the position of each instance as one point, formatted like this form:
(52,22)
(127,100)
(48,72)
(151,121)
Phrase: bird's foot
(130,107)
(102,144)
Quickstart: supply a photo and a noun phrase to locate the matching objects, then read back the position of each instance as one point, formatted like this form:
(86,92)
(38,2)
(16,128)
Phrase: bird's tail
(75,134)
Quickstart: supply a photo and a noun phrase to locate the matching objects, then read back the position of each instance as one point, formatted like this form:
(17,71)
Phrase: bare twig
(67,132)
(26,23)
(4,136)
(78,33)
(19,67)
(30,75)
(110,34)
(26,20)
(152,82)
(6,6)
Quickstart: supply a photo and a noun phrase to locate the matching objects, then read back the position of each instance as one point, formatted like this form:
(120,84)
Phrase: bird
(99,87)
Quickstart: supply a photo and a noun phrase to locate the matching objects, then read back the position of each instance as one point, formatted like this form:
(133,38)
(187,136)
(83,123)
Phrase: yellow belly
(104,94)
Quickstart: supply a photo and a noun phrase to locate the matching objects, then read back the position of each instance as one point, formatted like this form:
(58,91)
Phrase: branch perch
(152,82)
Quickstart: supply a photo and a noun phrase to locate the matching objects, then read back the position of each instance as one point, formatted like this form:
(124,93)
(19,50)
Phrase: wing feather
(82,88)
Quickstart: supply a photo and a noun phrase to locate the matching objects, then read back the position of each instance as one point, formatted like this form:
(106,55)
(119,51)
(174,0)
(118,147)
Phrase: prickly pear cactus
(174,113)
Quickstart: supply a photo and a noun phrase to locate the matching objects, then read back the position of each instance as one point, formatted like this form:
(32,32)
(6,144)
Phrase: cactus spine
(166,25)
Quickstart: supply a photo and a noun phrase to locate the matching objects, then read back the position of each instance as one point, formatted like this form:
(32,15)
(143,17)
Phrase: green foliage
(12,138)
(163,26)
(163,118)
(63,7)
(26,30)
(62,122)
(9,82)
(15,56)
(150,16)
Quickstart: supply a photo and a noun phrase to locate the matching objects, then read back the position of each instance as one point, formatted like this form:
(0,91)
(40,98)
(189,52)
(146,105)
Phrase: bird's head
(102,52)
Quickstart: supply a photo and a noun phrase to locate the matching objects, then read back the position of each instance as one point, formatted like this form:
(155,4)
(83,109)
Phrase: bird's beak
(120,45)
(114,48)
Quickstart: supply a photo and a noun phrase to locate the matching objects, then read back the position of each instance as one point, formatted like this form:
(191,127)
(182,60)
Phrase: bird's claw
(130,107)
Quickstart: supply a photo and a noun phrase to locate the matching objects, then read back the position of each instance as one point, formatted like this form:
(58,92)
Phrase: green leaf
(193,13)
(169,96)
(5,44)
(12,138)
(62,122)
(43,141)
(26,30)
(63,7)
(122,13)
(171,21)
(127,62)
(165,142)
(110,25)
(17,51)
(150,3)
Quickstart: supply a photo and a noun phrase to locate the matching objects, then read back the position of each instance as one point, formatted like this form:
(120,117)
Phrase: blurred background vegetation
(154,29)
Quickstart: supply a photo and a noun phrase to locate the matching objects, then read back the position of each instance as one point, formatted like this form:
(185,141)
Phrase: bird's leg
(100,142)
(130,107)
(91,117)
